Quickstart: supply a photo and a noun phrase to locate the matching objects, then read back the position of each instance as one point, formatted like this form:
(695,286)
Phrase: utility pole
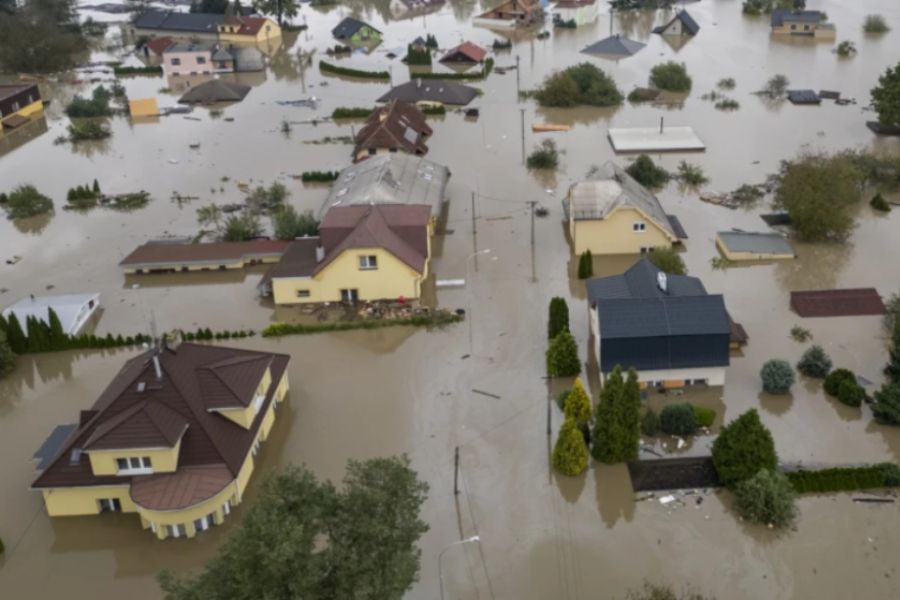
(456,472)
(518,78)
(473,215)
(533,271)
(523,134)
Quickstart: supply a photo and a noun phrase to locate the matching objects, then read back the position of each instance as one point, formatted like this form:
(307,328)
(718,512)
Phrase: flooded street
(361,394)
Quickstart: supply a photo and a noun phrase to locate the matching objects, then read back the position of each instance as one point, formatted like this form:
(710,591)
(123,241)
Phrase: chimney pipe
(418,82)
(320,253)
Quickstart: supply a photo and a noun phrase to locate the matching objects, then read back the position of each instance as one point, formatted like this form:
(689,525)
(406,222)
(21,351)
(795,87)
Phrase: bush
(643,95)
(727,104)
(768,498)
(7,356)
(851,393)
(25,201)
(678,419)
(743,447)
(147,70)
(800,334)
(358,73)
(289,224)
(727,83)
(544,156)
(583,83)
(562,356)
(776,87)
(845,49)
(650,423)
(342,112)
(815,363)
(845,479)
(834,380)
(319,176)
(875,24)
(578,404)
(879,203)
(241,228)
(886,407)
(661,592)
(585,265)
(668,261)
(84,130)
(777,376)
(570,454)
(691,174)
(96,106)
(558,320)
(670,76)
(646,173)
(704,417)
(434,319)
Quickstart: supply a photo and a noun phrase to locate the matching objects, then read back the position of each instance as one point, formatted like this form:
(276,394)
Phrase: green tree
(210,215)
(886,96)
(579,84)
(678,419)
(851,393)
(834,380)
(650,423)
(25,201)
(668,261)
(562,356)
(662,592)
(39,39)
(777,376)
(617,420)
(305,539)
(585,265)
(629,415)
(544,156)
(570,454)
(57,337)
(892,368)
(886,407)
(7,356)
(15,335)
(242,228)
(671,76)
(288,224)
(767,497)
(96,187)
(743,447)
(578,404)
(280,8)
(559,317)
(215,7)
(815,363)
(645,172)
(820,193)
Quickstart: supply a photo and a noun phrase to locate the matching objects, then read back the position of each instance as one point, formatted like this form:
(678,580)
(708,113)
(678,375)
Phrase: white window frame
(226,508)
(258,402)
(176,531)
(639,227)
(368,262)
(144,465)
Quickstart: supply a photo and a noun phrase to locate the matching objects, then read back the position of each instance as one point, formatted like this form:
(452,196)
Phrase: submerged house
(667,327)
(577,12)
(413,8)
(18,103)
(465,53)
(355,31)
(812,23)
(188,58)
(431,91)
(73,310)
(510,14)
(173,438)
(171,257)
(682,24)
(611,213)
(207,27)
(396,127)
(741,246)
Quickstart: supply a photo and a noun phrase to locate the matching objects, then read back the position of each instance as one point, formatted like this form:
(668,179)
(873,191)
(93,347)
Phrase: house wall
(615,234)
(392,279)
(68,502)
(268,31)
(25,104)
(365,35)
(164,460)
(710,375)
(189,62)
(245,416)
(583,15)
(812,29)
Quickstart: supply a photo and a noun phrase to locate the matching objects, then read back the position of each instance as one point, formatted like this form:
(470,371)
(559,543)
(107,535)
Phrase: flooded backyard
(361,394)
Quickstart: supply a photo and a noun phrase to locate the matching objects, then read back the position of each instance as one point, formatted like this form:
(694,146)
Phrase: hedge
(207,334)
(318,176)
(845,479)
(434,319)
(137,70)
(342,112)
(336,70)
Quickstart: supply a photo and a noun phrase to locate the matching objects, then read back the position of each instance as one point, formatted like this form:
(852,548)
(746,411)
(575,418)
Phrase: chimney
(320,253)
(662,282)
(419,82)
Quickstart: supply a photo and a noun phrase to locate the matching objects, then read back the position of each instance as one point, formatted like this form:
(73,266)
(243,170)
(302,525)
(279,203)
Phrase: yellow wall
(392,278)
(67,502)
(26,111)
(274,31)
(164,460)
(244,416)
(614,234)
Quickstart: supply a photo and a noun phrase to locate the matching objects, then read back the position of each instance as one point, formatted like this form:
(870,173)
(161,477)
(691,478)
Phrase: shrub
(650,423)
(815,363)
(777,376)
(342,112)
(646,173)
(845,479)
(668,261)
(562,356)
(241,228)
(583,83)
(776,87)
(643,95)
(851,393)
(25,201)
(704,417)
(7,356)
(578,404)
(83,130)
(834,380)
(677,419)
(743,447)
(845,49)
(570,454)
(893,312)
(892,368)
(800,334)
(651,591)
(727,104)
(670,76)
(585,265)
(879,203)
(727,83)
(691,174)
(544,156)
(559,317)
(289,224)
(767,497)
(319,176)
(886,407)
(358,73)
(875,24)
(96,106)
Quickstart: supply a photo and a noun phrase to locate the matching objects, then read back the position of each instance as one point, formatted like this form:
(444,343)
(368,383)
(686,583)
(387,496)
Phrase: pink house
(188,59)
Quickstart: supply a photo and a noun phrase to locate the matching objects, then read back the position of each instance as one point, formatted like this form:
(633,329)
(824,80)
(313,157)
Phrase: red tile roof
(837,303)
(248,25)
(158,45)
(144,425)
(397,125)
(466,50)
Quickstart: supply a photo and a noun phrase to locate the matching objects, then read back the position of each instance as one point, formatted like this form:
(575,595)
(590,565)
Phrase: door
(351,296)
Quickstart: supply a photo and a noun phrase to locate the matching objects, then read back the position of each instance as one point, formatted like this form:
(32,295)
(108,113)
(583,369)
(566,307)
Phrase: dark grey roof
(640,281)
(614,45)
(803,97)
(215,91)
(348,28)
(677,227)
(755,242)
(688,24)
(796,16)
(660,317)
(52,444)
(179,21)
(432,90)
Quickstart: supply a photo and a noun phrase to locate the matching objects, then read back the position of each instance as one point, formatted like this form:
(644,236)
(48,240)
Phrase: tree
(544,156)
(210,215)
(630,417)
(617,422)
(562,356)
(819,193)
(215,7)
(559,317)
(743,447)
(668,261)
(815,363)
(585,265)
(875,24)
(767,497)
(279,8)
(570,454)
(678,419)
(267,200)
(305,539)
(892,368)
(579,84)
(886,97)
(25,201)
(40,39)
(663,592)
(777,376)
(886,407)
(242,228)
(834,380)
(670,76)
(578,404)
(57,337)
(851,393)
(15,335)
(650,423)
(96,187)
(7,356)
(646,173)
(288,224)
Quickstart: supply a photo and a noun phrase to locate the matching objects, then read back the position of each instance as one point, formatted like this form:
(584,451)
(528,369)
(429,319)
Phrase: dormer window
(258,402)
(134,465)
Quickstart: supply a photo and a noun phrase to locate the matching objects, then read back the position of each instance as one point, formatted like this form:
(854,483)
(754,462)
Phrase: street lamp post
(469,296)
(468,540)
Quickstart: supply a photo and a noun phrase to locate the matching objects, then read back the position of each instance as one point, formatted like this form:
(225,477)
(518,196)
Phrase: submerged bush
(886,407)
(670,76)
(834,380)
(650,423)
(691,174)
(851,393)
(580,84)
(544,156)
(25,201)
(845,479)
(777,376)
(875,24)
(704,417)
(668,261)
(645,172)
(879,203)
(678,419)
(768,498)
(815,363)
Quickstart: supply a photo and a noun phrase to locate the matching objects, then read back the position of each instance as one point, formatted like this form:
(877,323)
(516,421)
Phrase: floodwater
(412,390)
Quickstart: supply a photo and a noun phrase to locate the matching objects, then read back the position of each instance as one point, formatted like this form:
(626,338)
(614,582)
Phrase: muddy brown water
(363,394)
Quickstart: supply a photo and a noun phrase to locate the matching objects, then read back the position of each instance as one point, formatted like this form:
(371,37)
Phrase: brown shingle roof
(465,52)
(164,254)
(398,125)
(837,303)
(158,45)
(210,438)
(186,487)
(299,260)
(144,425)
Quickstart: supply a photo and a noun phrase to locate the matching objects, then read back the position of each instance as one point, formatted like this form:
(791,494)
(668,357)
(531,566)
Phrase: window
(806,28)
(646,249)
(350,295)
(257,402)
(226,508)
(793,27)
(109,505)
(303,293)
(176,530)
(176,62)
(368,263)
(201,60)
(134,465)
(639,227)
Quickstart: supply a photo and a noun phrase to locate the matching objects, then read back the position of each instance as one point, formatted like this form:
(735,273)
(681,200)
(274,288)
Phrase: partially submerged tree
(886,407)
(875,24)
(289,224)
(570,454)
(562,356)
(835,378)
(617,422)
(664,592)
(815,363)
(886,97)
(241,228)
(559,317)
(668,261)
(25,201)
(767,498)
(743,447)
(678,419)
(544,156)
(280,8)
(776,87)
(892,368)
(7,356)
(645,172)
(583,83)
(40,37)
(210,216)
(671,76)
(578,404)
(777,376)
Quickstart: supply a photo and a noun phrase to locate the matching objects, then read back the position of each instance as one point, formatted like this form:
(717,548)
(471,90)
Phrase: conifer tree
(578,403)
(570,454)
(585,265)
(7,356)
(892,369)
(562,356)
(559,317)
(57,337)
(607,438)
(629,413)
(15,335)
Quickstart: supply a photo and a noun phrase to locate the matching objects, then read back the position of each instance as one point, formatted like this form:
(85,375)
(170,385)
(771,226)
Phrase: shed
(838,303)
(143,107)
(73,310)
(750,245)
(803,97)
(215,91)
(467,52)
(681,24)
(654,139)
(247,58)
